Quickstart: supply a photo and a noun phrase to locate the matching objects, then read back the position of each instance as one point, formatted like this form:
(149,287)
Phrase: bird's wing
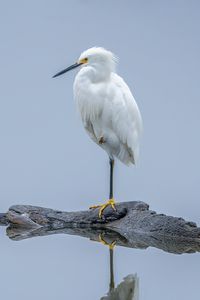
(126,117)
(90,130)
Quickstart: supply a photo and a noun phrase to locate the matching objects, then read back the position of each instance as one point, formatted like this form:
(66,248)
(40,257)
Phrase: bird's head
(96,57)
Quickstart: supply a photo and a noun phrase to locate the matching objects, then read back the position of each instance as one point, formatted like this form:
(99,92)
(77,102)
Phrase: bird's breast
(90,97)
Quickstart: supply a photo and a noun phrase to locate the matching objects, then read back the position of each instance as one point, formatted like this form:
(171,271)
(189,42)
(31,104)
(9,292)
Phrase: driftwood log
(132,225)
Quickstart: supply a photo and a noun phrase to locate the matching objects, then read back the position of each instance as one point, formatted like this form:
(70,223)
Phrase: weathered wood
(3,220)
(133,225)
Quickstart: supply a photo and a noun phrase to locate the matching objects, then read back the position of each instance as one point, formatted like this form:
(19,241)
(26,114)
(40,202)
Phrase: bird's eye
(84,60)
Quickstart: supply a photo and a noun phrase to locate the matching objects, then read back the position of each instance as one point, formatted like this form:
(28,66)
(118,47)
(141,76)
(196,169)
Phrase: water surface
(71,267)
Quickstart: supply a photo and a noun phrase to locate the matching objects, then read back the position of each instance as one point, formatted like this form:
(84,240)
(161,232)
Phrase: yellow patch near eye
(83,61)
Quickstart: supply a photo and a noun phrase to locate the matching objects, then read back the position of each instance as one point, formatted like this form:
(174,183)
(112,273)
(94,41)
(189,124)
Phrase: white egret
(108,110)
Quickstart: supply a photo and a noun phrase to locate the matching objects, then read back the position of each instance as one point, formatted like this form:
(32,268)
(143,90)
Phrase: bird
(109,112)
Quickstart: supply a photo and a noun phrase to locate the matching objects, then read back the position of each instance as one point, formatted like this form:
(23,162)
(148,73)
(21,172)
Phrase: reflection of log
(133,225)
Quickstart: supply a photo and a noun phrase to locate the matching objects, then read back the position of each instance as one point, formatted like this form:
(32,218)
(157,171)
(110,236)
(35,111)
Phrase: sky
(46,158)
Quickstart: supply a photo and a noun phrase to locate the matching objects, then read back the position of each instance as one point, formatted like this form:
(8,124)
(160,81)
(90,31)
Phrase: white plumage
(107,107)
(108,110)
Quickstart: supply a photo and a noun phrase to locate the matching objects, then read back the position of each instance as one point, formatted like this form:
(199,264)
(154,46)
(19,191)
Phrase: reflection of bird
(109,112)
(128,289)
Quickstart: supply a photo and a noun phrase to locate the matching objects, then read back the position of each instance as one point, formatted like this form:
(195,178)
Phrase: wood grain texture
(132,225)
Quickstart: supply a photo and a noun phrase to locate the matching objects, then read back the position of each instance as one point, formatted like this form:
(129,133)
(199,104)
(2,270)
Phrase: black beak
(68,69)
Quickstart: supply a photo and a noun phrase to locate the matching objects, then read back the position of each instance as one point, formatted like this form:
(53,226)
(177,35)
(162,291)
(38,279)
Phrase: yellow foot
(103,206)
(111,246)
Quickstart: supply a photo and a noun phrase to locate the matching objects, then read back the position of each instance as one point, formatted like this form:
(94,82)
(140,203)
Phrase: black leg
(112,283)
(111,177)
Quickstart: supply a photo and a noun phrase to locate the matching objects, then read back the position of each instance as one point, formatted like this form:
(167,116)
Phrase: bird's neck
(95,73)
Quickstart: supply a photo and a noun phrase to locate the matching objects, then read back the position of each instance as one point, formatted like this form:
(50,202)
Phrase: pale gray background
(47,159)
